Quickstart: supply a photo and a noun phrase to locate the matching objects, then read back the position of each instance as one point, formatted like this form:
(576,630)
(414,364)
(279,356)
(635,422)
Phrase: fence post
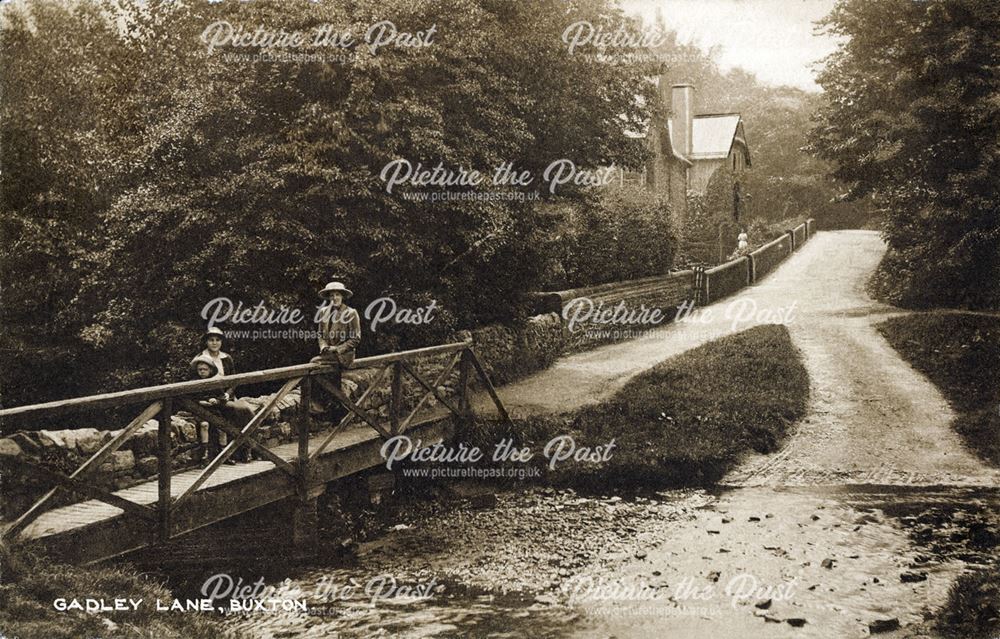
(305,396)
(699,286)
(396,397)
(464,372)
(164,469)
(304,503)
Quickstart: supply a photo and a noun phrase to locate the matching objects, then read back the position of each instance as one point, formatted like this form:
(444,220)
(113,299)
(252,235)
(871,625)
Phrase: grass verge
(960,353)
(684,422)
(973,608)
(30,584)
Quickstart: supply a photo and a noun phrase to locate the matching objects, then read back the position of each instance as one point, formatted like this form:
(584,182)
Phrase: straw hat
(203,359)
(335,287)
(212,332)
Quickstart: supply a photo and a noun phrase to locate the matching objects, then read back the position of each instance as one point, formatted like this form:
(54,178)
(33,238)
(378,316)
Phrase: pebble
(883,625)
(912,577)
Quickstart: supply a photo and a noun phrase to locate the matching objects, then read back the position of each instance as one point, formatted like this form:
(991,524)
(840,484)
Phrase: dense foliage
(619,233)
(912,119)
(145,175)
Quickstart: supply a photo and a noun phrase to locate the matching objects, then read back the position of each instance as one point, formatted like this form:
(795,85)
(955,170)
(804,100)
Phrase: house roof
(713,135)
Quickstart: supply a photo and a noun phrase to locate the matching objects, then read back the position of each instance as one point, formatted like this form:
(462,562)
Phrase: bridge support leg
(305,522)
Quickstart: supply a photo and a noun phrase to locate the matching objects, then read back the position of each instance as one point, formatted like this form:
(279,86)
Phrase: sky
(773,39)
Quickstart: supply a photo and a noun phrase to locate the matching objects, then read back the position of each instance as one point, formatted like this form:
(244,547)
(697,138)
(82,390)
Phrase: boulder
(9,447)
(72,438)
(120,461)
(147,466)
(25,442)
(124,481)
(88,444)
(187,431)
(883,625)
(49,439)
(144,441)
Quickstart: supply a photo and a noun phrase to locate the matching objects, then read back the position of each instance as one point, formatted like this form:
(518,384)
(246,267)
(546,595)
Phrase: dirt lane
(825,279)
(865,517)
(822,520)
(872,418)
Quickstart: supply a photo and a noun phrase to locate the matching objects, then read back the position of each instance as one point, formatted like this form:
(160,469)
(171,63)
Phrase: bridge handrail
(153,393)
(304,376)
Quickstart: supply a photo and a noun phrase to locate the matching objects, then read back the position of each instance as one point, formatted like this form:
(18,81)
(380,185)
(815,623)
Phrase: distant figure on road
(339,336)
(742,240)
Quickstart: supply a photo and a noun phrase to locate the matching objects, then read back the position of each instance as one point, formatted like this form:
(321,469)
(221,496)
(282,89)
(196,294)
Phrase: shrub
(619,233)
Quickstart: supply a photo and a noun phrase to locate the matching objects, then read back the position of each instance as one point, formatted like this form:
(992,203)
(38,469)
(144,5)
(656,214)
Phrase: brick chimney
(682,106)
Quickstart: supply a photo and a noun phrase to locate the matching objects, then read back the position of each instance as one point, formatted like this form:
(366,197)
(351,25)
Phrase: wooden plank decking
(93,530)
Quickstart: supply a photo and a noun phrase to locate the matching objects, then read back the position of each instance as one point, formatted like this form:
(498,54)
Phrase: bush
(617,234)
(973,609)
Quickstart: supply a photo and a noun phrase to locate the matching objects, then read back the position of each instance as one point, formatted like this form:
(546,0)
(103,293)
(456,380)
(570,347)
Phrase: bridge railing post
(164,469)
(464,375)
(304,422)
(396,397)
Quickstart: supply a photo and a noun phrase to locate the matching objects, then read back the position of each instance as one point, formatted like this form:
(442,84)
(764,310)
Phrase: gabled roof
(713,135)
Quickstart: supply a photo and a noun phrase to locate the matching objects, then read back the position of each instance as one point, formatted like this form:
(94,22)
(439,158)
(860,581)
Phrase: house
(688,150)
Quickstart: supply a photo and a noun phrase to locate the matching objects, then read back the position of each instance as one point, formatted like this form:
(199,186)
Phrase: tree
(912,119)
(200,174)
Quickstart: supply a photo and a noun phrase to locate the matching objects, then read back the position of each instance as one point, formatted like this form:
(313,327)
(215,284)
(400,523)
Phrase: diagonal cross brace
(239,440)
(86,468)
(233,431)
(350,416)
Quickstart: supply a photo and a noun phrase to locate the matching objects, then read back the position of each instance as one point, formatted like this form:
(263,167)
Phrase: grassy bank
(960,353)
(29,586)
(684,422)
(973,608)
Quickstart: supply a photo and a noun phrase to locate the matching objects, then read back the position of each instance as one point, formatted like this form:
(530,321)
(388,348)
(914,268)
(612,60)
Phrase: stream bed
(838,561)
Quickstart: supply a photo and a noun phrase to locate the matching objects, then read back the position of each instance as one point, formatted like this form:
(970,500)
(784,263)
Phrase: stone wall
(509,353)
(769,256)
(662,292)
(799,235)
(725,279)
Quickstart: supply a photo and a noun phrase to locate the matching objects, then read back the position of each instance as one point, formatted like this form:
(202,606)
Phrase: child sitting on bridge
(211,439)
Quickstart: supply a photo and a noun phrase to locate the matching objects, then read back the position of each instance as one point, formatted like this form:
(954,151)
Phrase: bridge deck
(93,530)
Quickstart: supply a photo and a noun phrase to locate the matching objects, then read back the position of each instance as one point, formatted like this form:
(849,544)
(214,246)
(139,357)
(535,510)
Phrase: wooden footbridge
(176,502)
